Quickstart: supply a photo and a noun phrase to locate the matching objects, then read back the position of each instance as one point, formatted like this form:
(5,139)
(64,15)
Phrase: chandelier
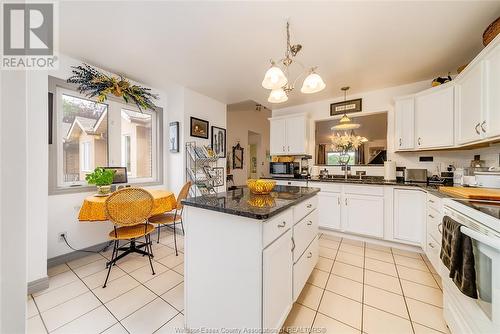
(277,76)
(345,122)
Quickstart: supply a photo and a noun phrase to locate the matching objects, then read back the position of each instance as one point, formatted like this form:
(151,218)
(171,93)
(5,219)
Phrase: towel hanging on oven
(457,255)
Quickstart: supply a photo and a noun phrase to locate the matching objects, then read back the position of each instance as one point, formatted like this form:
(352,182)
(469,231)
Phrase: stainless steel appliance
(284,169)
(415,175)
(480,221)
(488,179)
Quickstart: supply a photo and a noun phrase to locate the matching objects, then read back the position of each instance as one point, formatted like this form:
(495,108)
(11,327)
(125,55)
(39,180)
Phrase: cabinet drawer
(433,250)
(325,186)
(276,226)
(434,224)
(435,203)
(303,233)
(303,268)
(364,190)
(302,209)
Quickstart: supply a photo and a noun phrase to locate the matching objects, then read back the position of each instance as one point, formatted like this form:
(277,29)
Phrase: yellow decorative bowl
(261,201)
(260,187)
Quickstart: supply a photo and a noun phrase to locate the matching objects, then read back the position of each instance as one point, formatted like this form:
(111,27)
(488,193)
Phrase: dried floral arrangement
(94,83)
(346,142)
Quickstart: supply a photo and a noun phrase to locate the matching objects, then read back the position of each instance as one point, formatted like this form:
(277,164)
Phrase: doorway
(254,147)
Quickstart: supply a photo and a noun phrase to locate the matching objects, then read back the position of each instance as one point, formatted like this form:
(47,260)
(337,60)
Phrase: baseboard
(38,285)
(79,254)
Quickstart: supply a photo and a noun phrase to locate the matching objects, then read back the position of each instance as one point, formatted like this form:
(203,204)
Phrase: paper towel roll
(390,170)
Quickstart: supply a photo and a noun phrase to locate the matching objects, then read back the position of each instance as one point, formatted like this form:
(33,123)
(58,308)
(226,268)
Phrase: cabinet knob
(293,244)
(309,255)
(309,206)
(338,200)
(477,128)
(283,224)
(309,223)
(288,148)
(431,216)
(482,126)
(431,245)
(346,201)
(431,201)
(419,141)
(400,142)
(440,228)
(283,148)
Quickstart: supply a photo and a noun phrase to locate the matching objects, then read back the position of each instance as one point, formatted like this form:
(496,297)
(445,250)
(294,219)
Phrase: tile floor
(356,287)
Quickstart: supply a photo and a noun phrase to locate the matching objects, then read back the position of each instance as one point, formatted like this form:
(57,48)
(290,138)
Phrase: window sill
(93,189)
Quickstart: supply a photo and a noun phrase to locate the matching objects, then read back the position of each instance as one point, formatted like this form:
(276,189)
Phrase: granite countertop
(241,202)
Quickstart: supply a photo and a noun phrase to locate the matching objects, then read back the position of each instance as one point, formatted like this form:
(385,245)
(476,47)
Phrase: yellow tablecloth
(94,208)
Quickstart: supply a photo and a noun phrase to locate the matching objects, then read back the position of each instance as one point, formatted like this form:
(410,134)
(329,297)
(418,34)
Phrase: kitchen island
(247,257)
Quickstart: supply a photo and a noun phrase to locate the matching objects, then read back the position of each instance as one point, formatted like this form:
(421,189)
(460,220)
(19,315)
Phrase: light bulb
(312,84)
(277,96)
(274,78)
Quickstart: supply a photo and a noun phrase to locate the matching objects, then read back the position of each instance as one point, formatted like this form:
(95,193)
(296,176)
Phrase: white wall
(238,124)
(54,214)
(383,100)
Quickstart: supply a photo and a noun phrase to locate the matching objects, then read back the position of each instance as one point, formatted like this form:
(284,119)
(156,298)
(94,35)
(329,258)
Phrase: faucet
(360,173)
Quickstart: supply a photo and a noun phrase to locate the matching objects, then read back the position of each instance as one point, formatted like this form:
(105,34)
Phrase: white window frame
(82,152)
(114,140)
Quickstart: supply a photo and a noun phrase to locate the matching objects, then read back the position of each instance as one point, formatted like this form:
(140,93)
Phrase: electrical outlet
(60,236)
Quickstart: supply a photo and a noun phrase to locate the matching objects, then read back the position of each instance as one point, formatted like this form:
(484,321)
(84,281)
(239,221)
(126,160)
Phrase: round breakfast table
(94,207)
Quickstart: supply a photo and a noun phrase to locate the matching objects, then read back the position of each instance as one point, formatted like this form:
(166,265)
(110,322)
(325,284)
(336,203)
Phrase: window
(332,158)
(89,134)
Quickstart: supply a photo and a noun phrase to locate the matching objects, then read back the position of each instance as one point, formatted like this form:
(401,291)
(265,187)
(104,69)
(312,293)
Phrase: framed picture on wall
(173,137)
(219,141)
(237,157)
(199,128)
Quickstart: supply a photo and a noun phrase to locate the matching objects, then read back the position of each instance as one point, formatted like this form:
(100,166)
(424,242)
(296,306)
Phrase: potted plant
(102,178)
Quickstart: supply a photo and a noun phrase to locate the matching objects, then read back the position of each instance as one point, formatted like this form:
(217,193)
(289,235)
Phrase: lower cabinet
(364,214)
(277,281)
(304,266)
(409,216)
(329,209)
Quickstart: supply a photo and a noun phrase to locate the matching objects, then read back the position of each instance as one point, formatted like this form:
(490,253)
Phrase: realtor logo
(28,36)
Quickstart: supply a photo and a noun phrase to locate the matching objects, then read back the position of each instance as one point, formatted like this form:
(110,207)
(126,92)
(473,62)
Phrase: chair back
(129,206)
(183,195)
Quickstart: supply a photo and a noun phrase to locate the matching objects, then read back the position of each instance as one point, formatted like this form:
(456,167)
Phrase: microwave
(284,169)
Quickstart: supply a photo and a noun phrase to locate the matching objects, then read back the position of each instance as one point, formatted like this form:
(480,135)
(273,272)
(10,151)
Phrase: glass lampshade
(277,96)
(312,84)
(345,123)
(274,78)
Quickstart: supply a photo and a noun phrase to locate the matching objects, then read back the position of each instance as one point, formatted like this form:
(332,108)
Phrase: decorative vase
(344,158)
(104,190)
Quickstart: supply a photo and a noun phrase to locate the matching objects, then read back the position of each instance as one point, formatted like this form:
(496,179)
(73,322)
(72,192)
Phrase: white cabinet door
(364,214)
(329,210)
(409,215)
(434,110)
(405,123)
(296,140)
(277,281)
(470,105)
(491,123)
(277,136)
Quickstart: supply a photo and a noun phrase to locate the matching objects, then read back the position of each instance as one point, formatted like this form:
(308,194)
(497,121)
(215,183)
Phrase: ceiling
(222,49)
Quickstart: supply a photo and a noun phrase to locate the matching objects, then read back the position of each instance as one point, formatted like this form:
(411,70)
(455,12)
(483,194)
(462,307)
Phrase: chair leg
(175,241)
(115,250)
(148,237)
(158,230)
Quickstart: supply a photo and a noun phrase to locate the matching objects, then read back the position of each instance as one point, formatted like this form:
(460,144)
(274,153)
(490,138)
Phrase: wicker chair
(128,209)
(172,218)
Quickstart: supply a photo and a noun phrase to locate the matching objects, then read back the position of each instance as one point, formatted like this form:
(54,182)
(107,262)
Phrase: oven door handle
(495,244)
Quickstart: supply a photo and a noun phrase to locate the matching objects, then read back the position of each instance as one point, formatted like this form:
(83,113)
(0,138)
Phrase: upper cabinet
(463,112)
(434,118)
(405,123)
(289,135)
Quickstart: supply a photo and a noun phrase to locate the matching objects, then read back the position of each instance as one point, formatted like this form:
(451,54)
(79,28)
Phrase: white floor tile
(382,281)
(410,262)
(329,253)
(84,260)
(131,263)
(345,287)
(150,317)
(421,329)
(175,297)
(318,278)
(144,274)
(130,301)
(348,271)
(310,296)
(69,311)
(426,314)
(179,269)
(380,322)
(93,322)
(174,326)
(97,280)
(342,309)
(56,281)
(385,301)
(300,318)
(60,295)
(423,293)
(60,268)
(160,251)
(379,255)
(91,268)
(172,260)
(34,325)
(115,288)
(381,267)
(31,309)
(352,259)
(348,248)
(116,329)
(164,282)
(324,324)
(324,264)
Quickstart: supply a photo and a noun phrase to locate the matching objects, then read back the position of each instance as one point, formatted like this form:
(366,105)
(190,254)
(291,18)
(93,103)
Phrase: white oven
(464,314)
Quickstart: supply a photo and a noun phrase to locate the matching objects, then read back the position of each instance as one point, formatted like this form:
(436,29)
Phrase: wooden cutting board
(472,193)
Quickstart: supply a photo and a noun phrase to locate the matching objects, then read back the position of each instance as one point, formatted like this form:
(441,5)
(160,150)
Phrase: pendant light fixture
(345,122)
(277,78)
